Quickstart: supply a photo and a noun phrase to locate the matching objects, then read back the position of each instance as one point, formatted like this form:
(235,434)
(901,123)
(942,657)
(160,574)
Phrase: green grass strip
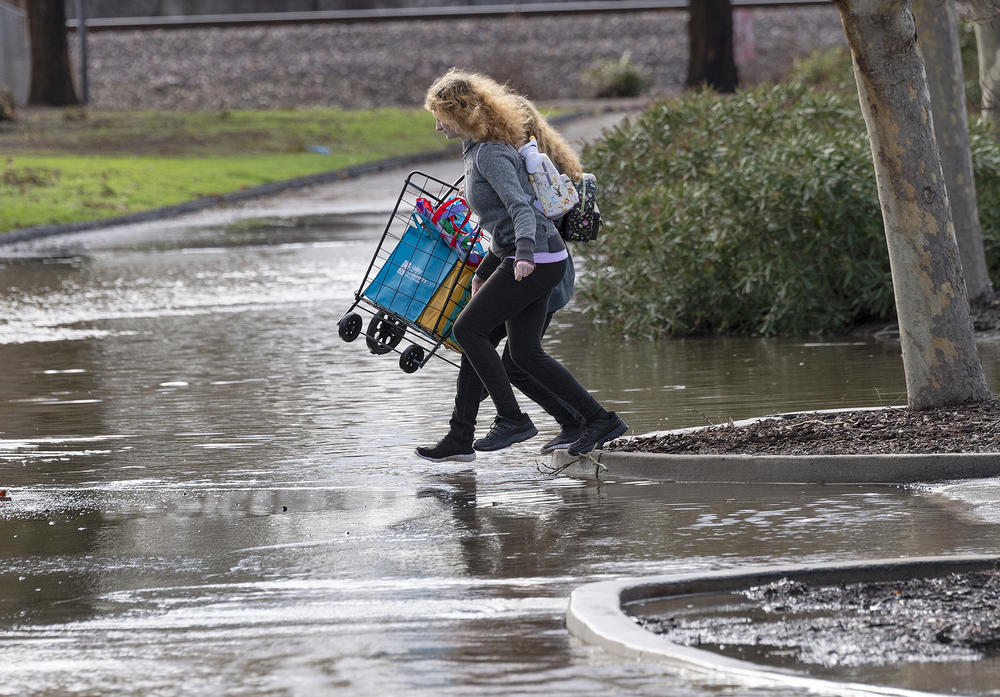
(111,163)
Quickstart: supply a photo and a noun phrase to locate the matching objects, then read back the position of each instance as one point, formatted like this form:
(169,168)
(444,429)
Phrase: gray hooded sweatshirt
(497,186)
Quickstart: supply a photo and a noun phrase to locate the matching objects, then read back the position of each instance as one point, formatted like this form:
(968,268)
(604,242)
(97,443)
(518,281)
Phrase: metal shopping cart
(419,277)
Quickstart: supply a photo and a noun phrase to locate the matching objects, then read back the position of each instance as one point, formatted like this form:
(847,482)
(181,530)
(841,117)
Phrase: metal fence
(352,12)
(15,57)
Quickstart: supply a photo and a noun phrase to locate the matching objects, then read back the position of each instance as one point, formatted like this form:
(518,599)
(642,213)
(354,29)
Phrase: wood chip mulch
(973,428)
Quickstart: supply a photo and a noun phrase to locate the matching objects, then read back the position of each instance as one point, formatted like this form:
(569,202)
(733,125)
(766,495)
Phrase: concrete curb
(595,615)
(271,188)
(778,469)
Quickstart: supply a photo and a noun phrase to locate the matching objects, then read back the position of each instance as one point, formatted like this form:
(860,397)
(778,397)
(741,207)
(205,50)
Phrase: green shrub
(829,69)
(986,170)
(615,78)
(751,214)
(756,213)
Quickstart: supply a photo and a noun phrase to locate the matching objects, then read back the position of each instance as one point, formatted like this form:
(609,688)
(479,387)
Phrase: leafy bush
(756,213)
(615,78)
(829,70)
(753,214)
(986,170)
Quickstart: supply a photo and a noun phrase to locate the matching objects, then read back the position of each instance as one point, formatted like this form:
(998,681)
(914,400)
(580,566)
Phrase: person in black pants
(457,444)
(526,260)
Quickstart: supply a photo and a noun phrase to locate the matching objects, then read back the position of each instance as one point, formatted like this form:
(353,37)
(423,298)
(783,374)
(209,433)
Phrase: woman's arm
(500,166)
(487,266)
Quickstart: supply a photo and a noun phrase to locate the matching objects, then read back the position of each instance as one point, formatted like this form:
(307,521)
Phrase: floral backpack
(582,223)
(554,193)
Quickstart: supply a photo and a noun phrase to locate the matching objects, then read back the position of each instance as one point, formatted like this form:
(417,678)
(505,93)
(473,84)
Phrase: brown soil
(973,428)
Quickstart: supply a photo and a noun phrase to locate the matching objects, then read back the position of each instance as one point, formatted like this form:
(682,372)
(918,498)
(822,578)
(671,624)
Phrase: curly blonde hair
(481,109)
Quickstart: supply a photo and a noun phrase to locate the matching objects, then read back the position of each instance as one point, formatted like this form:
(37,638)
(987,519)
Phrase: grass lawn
(63,165)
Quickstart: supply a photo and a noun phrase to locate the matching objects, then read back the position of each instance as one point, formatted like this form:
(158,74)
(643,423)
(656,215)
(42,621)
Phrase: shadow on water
(210,489)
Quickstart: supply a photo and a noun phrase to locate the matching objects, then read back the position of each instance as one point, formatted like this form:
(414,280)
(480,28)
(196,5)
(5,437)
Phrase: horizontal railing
(413,13)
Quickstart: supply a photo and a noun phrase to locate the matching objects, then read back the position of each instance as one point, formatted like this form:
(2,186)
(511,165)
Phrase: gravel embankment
(371,64)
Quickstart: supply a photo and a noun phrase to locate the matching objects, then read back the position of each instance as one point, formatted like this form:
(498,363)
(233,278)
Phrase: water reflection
(210,488)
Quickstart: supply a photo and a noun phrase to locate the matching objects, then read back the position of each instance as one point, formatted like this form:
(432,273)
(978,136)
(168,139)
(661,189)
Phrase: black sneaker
(597,433)
(448,448)
(566,437)
(505,432)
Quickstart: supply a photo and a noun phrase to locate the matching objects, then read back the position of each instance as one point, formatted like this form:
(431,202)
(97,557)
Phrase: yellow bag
(446,303)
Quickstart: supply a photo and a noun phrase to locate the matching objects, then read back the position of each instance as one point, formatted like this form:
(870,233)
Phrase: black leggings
(522,306)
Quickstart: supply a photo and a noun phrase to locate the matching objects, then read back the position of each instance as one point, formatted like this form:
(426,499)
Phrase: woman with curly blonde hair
(526,260)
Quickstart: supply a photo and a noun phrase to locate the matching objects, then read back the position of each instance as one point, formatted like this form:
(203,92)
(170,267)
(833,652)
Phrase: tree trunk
(988,49)
(937,37)
(710,37)
(51,80)
(940,358)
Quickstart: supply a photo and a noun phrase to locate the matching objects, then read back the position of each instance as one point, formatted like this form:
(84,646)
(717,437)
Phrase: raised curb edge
(595,615)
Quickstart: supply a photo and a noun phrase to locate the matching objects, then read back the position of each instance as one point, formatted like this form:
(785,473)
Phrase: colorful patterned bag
(554,193)
(583,221)
(453,221)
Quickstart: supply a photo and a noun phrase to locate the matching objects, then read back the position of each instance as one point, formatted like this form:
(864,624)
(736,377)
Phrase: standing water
(211,493)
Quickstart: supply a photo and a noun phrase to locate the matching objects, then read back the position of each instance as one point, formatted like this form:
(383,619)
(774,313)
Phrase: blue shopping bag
(415,269)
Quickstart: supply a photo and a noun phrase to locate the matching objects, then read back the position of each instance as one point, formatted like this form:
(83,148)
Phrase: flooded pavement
(213,493)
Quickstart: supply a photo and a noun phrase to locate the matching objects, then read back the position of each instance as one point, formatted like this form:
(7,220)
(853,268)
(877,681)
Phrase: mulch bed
(973,428)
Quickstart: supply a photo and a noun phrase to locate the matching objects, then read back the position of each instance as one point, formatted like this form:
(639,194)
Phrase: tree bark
(940,359)
(937,38)
(988,49)
(51,80)
(710,36)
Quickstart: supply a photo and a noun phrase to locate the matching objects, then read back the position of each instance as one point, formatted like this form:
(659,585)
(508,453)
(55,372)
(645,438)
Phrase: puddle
(209,488)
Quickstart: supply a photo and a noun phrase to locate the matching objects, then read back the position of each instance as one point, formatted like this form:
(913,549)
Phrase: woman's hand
(523,269)
(477,283)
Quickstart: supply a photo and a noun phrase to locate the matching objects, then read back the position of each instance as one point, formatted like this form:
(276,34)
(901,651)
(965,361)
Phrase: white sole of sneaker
(464,457)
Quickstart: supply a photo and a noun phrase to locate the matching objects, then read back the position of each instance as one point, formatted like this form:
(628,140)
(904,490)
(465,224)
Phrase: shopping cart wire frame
(388,325)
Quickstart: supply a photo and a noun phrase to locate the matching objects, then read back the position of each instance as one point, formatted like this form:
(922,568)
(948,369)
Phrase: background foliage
(755,213)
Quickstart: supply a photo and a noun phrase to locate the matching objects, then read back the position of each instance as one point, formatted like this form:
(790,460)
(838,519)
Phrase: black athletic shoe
(566,437)
(448,448)
(597,433)
(506,432)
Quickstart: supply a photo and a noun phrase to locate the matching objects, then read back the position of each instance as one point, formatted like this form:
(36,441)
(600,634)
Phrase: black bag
(582,223)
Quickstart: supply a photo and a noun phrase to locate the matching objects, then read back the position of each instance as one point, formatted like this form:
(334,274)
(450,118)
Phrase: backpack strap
(475,159)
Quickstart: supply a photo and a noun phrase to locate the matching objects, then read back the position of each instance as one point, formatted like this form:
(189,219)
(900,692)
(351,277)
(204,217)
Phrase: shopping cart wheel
(411,358)
(384,333)
(349,327)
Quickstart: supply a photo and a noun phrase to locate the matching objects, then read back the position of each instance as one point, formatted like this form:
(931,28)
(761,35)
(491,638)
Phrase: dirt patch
(23,178)
(973,428)
(952,618)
